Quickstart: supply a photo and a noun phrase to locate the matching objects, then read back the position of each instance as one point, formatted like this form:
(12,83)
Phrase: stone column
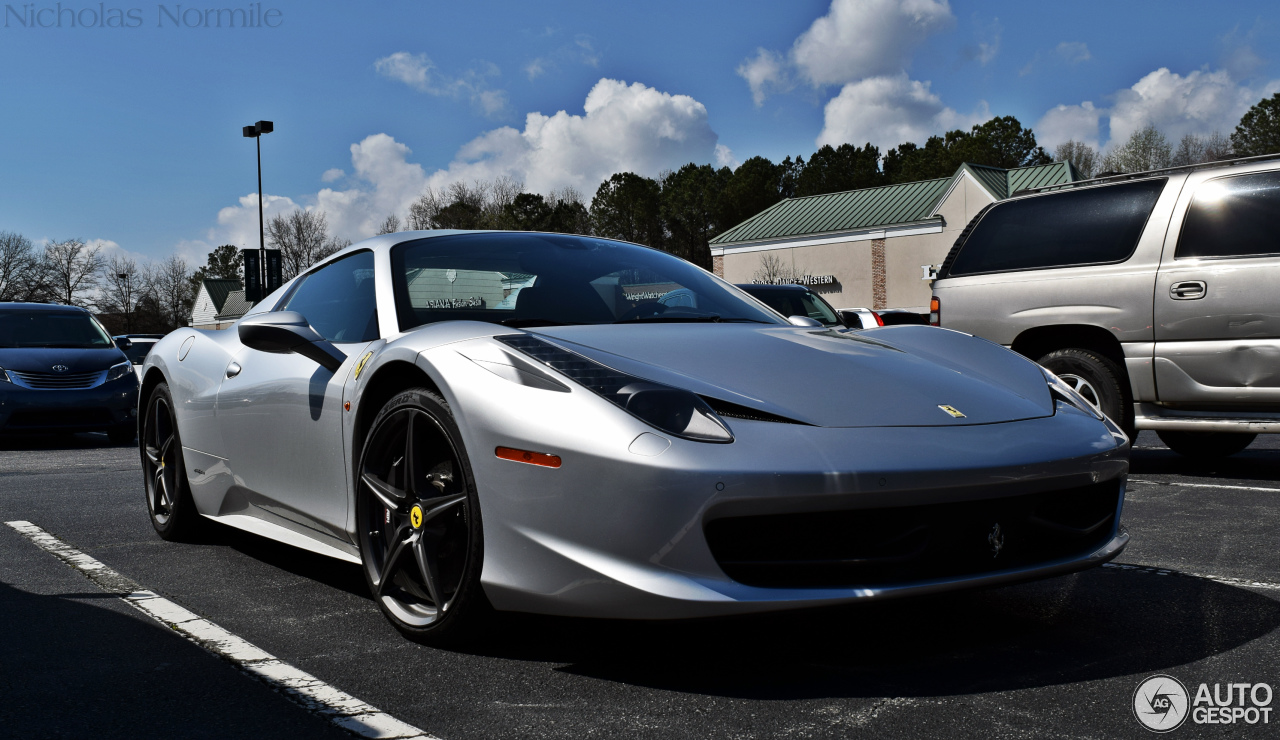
(717,265)
(879,297)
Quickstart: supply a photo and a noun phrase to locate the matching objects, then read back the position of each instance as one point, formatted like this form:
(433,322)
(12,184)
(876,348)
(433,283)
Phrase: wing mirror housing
(124,343)
(284,332)
(803,321)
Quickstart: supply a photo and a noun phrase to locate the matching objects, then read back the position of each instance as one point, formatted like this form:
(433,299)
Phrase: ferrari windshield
(44,328)
(533,279)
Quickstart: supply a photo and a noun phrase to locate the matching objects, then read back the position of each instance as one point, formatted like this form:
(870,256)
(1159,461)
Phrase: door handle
(233,369)
(1188,290)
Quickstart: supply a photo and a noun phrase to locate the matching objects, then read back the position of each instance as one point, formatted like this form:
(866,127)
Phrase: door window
(1233,217)
(338,299)
(1074,227)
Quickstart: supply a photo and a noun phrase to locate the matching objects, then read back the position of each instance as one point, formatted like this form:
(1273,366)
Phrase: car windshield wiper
(664,318)
(530,322)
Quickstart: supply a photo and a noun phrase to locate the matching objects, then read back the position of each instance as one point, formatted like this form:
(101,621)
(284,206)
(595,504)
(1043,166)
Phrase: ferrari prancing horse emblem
(995,538)
(363,361)
(415,516)
(955,412)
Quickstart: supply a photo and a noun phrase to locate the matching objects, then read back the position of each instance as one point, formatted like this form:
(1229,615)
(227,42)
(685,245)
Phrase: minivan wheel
(1206,445)
(1097,379)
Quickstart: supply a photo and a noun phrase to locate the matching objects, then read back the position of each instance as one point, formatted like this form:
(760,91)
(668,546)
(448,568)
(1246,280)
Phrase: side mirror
(804,321)
(283,332)
(124,343)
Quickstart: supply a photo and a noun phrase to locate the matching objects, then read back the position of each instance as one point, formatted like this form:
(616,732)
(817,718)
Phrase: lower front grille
(59,381)
(58,419)
(908,544)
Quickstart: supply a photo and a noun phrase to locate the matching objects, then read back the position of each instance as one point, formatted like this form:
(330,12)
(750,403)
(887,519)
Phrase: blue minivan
(61,372)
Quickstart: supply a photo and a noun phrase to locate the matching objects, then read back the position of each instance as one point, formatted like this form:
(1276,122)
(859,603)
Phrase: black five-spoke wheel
(169,502)
(419,521)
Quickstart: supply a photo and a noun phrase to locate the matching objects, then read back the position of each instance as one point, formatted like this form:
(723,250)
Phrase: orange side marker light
(525,456)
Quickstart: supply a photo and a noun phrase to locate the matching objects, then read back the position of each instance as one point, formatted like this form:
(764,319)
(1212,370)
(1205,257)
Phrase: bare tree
(72,270)
(302,238)
(168,287)
(122,286)
(423,211)
(389,226)
(1217,147)
(1081,156)
(1146,149)
(772,271)
(1195,149)
(19,266)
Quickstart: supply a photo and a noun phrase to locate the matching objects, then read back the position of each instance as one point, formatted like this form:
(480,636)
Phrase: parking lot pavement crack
(1225,580)
(312,694)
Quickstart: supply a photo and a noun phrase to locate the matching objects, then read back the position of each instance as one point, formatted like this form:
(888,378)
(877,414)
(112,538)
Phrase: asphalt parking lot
(1057,658)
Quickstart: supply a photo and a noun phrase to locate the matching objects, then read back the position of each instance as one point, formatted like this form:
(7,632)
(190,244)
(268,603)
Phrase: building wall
(853,265)
(203,311)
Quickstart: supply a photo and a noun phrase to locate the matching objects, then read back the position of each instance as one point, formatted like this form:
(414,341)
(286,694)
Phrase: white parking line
(1203,485)
(1225,580)
(302,688)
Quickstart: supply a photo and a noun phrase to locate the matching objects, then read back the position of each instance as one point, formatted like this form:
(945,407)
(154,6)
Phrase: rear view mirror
(283,332)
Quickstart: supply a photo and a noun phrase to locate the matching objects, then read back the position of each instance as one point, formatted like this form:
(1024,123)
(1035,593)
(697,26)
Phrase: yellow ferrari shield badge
(415,516)
(363,361)
(952,410)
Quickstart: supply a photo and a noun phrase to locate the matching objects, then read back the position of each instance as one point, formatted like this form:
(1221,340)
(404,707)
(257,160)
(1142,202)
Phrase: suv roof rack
(1149,173)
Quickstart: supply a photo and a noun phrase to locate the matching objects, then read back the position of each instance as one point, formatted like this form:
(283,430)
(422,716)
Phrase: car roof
(40,307)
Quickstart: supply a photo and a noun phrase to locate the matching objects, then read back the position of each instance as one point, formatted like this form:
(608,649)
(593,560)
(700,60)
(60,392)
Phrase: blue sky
(132,135)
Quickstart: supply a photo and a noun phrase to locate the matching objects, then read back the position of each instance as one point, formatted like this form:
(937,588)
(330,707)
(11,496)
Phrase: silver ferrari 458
(577,426)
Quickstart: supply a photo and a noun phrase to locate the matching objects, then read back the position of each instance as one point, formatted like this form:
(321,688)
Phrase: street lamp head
(258,129)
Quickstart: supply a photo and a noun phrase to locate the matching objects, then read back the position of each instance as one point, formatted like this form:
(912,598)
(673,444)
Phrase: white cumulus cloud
(887,111)
(332,174)
(766,72)
(622,128)
(420,73)
(865,38)
(1069,122)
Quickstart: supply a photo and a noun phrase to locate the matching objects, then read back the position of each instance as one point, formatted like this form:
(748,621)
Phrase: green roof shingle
(218,290)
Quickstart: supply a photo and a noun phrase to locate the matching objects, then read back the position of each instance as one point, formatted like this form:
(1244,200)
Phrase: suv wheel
(1206,445)
(1097,379)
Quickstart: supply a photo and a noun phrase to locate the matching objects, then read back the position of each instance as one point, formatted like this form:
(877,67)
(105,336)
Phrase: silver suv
(1157,295)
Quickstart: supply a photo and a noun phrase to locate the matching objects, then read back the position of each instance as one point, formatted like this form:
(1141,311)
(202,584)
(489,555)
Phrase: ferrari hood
(895,376)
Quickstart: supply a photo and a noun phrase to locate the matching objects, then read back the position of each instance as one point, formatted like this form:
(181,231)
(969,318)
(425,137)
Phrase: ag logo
(1160,703)
(415,516)
(60,368)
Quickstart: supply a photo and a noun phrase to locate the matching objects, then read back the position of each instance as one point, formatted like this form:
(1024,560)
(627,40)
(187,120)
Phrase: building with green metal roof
(872,247)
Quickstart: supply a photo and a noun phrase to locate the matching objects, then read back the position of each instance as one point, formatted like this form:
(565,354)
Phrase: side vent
(735,411)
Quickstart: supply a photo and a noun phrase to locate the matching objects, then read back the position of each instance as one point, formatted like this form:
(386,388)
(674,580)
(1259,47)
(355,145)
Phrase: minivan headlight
(115,372)
(673,410)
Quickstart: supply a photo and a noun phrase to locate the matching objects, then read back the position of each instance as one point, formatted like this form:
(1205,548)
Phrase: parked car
(1153,295)
(901,316)
(796,300)
(860,318)
(519,421)
(136,347)
(61,372)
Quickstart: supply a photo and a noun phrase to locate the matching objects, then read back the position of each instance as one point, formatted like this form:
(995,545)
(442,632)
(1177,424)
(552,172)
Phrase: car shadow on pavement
(1093,625)
(1262,465)
(46,441)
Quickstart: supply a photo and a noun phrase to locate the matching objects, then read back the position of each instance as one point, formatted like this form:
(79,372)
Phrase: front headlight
(1060,391)
(115,372)
(672,410)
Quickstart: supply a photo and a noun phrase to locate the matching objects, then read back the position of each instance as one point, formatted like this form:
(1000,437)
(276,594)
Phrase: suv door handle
(1188,290)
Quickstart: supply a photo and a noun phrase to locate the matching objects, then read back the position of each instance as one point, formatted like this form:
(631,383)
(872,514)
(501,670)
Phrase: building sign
(799,280)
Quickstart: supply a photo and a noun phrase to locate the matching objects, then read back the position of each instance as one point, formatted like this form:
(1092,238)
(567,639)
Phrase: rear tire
(169,503)
(1206,445)
(1097,379)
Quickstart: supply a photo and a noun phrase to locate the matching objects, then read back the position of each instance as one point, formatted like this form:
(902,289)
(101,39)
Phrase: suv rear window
(1233,217)
(1076,227)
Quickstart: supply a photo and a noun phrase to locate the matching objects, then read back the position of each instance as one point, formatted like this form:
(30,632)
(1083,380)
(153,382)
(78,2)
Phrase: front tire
(418,520)
(1206,445)
(169,503)
(1098,380)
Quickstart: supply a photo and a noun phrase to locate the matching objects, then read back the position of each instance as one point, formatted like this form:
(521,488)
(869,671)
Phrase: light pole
(255,132)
